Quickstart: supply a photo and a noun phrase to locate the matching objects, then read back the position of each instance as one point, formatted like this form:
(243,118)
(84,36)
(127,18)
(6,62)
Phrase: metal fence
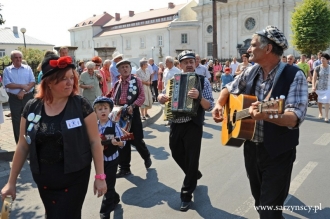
(33,65)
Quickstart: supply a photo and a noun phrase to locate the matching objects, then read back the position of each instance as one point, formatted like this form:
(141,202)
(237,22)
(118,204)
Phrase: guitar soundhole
(234,117)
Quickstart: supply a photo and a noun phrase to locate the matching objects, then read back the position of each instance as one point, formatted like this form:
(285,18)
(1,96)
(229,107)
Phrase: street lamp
(152,52)
(23,30)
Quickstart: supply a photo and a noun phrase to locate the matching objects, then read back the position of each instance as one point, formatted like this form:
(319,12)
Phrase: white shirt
(151,70)
(169,73)
(233,67)
(202,70)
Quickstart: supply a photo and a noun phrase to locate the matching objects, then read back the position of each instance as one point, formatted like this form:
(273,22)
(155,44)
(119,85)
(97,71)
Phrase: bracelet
(101,176)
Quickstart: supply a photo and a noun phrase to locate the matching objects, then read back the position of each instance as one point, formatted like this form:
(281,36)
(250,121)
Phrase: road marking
(323,140)
(295,184)
(7,172)
(299,179)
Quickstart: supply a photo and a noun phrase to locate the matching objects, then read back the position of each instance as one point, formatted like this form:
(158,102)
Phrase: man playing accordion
(186,131)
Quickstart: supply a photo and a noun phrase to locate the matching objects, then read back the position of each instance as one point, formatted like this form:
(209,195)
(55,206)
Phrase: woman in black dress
(59,130)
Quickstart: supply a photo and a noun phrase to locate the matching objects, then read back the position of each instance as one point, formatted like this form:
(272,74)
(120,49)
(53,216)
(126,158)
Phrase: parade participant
(322,88)
(19,81)
(129,90)
(269,156)
(89,81)
(99,70)
(117,57)
(105,68)
(108,131)
(59,130)
(186,132)
(144,74)
(160,84)
(242,66)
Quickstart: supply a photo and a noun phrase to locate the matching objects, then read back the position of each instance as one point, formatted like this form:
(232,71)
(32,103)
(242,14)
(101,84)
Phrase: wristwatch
(24,91)
(101,176)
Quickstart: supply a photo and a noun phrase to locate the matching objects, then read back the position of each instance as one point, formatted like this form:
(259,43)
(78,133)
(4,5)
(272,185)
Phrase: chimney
(171,5)
(94,15)
(104,12)
(151,9)
(131,13)
(117,16)
(15,30)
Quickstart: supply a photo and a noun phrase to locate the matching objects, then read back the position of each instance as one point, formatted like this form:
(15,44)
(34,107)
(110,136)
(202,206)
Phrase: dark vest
(109,148)
(129,92)
(77,149)
(278,139)
(199,119)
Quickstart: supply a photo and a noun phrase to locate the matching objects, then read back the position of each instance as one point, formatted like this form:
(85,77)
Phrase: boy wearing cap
(270,154)
(186,131)
(226,77)
(108,131)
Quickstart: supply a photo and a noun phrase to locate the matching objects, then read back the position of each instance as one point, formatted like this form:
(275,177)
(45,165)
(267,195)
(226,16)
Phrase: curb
(155,117)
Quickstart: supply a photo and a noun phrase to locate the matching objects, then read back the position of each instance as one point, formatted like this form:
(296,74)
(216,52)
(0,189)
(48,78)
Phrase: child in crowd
(226,77)
(110,134)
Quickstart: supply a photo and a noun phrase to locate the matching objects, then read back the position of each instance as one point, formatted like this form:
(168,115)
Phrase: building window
(113,43)
(2,52)
(147,22)
(250,23)
(128,44)
(209,29)
(157,20)
(152,21)
(89,44)
(184,38)
(128,25)
(142,43)
(83,44)
(209,49)
(160,40)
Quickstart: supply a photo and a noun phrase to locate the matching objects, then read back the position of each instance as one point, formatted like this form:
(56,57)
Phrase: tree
(32,55)
(311,26)
(1,19)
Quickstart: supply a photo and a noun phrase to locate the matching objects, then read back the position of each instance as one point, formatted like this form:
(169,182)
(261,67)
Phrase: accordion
(179,103)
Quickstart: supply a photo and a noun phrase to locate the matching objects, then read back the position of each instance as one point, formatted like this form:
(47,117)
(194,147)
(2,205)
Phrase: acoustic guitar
(237,125)
(6,208)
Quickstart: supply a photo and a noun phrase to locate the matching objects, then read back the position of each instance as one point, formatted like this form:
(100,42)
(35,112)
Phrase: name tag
(73,123)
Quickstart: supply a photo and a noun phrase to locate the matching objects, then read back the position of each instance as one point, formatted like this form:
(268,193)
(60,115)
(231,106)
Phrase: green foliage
(1,18)
(32,55)
(5,59)
(311,26)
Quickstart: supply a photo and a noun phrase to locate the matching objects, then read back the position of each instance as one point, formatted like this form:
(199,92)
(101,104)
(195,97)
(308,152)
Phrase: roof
(96,20)
(146,15)
(7,36)
(134,29)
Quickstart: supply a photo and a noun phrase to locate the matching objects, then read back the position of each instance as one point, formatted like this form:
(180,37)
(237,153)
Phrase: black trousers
(111,198)
(269,177)
(140,145)
(185,145)
(154,88)
(16,108)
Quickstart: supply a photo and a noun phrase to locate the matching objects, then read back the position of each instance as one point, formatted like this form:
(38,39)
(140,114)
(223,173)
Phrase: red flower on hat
(61,62)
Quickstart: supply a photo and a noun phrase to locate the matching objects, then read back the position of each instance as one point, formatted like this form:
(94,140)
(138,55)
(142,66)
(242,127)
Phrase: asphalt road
(223,191)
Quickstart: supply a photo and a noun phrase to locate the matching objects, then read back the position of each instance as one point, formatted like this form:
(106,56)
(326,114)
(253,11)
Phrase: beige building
(11,39)
(155,33)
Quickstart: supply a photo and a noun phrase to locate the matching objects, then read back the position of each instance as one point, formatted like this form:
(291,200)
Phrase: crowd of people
(69,122)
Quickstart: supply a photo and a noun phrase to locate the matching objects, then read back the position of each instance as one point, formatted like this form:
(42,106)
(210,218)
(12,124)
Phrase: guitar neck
(242,114)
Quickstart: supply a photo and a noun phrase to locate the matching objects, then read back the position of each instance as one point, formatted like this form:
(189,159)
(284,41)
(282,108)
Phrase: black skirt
(62,194)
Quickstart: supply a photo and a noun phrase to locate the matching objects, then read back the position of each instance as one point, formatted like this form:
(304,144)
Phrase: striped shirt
(118,132)
(296,101)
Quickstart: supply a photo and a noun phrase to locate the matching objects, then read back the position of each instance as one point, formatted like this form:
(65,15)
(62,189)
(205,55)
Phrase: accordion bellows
(179,103)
